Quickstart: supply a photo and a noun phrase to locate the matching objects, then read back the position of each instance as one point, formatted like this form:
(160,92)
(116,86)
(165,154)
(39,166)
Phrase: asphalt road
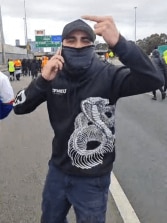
(141,162)
(25,148)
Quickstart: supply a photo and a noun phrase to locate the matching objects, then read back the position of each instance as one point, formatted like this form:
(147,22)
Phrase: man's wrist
(44,76)
(116,43)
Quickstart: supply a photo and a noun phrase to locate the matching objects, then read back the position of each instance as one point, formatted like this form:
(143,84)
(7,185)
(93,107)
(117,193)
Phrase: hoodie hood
(156,53)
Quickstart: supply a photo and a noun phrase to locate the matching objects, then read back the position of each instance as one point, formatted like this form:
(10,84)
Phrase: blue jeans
(87,195)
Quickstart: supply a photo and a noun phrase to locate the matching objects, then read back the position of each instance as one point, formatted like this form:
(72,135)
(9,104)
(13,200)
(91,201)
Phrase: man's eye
(86,40)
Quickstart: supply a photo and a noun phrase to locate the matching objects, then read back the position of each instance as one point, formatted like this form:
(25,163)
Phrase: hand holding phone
(54,65)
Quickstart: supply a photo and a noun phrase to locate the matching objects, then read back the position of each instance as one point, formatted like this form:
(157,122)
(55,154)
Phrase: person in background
(29,61)
(111,55)
(81,93)
(164,56)
(159,63)
(18,69)
(44,61)
(107,56)
(24,66)
(11,69)
(39,65)
(34,68)
(6,96)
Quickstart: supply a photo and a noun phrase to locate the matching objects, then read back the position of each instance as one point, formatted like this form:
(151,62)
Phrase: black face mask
(77,60)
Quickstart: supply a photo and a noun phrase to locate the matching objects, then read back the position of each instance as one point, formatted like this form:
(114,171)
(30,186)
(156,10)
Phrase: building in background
(17,42)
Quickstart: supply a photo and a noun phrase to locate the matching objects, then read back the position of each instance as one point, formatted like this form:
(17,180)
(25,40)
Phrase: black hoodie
(82,109)
(159,63)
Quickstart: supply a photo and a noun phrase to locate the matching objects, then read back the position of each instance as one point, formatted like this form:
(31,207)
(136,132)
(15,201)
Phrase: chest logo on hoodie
(93,135)
(59,91)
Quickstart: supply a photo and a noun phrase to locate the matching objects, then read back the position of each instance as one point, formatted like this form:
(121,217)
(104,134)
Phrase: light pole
(25,23)
(135,22)
(2,39)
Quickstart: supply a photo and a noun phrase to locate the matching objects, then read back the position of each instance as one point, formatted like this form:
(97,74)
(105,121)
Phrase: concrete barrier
(13,52)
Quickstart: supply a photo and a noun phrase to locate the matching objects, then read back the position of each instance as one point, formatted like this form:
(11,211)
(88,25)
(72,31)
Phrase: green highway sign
(48,41)
(47,44)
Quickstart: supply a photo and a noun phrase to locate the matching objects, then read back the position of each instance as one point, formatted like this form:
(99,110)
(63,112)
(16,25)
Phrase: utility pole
(135,22)
(2,41)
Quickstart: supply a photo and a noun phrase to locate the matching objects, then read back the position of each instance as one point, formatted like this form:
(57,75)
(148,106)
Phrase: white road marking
(126,210)
(124,207)
(149,93)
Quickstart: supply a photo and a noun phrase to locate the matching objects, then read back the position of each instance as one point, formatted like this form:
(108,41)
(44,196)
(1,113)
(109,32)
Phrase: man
(81,94)
(160,65)
(164,55)
(44,61)
(24,66)
(11,69)
(6,96)
(18,67)
(34,68)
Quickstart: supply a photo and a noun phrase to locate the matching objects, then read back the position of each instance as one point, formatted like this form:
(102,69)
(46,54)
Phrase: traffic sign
(47,44)
(56,38)
(48,41)
(42,38)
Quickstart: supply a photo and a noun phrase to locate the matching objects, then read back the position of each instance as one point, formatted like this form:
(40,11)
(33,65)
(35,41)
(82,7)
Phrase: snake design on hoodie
(94,125)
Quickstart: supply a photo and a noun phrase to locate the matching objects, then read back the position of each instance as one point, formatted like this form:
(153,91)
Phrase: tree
(151,42)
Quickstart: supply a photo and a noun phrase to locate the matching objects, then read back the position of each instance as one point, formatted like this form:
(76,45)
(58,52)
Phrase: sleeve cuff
(120,45)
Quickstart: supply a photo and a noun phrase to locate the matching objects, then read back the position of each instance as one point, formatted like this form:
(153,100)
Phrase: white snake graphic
(92,124)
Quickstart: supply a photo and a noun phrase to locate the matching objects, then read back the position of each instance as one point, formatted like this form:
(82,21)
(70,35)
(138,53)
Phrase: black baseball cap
(78,25)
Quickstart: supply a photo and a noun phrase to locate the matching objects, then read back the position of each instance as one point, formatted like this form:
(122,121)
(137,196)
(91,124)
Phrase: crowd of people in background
(26,67)
(31,67)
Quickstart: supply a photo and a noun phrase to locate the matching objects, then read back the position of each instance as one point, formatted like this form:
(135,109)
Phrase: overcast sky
(52,15)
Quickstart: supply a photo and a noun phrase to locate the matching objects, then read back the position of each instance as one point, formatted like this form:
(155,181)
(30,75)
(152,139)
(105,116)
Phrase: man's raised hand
(105,27)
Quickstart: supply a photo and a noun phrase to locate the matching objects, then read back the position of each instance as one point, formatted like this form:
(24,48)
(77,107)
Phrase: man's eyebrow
(70,37)
(85,37)
(82,37)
